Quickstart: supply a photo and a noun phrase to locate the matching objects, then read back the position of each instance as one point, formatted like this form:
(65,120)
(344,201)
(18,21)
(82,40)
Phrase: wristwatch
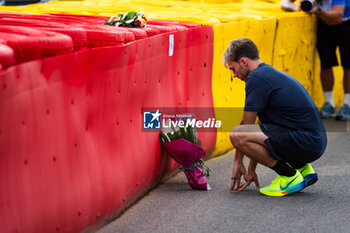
(318,11)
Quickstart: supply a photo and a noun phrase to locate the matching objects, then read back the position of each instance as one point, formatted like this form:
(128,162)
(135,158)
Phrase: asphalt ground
(323,207)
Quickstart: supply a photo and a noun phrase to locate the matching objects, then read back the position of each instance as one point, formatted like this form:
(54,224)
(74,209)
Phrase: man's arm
(238,170)
(249,117)
(332,17)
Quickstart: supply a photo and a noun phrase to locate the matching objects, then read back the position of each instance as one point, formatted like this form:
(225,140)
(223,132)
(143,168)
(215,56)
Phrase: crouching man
(290,134)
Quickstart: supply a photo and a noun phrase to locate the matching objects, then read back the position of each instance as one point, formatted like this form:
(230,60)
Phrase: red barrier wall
(72,151)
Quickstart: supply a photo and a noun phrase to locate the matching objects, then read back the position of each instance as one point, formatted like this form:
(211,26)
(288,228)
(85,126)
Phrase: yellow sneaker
(308,174)
(284,185)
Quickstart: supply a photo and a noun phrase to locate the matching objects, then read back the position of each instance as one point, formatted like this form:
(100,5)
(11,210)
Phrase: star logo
(151,120)
(156,115)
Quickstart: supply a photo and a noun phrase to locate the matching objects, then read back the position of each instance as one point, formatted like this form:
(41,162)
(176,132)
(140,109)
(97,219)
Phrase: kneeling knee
(235,139)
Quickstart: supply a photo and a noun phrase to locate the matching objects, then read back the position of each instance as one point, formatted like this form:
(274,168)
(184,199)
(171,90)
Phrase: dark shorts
(282,147)
(328,39)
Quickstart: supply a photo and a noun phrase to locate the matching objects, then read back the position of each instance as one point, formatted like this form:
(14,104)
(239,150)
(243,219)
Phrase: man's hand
(237,172)
(330,17)
(250,177)
(314,8)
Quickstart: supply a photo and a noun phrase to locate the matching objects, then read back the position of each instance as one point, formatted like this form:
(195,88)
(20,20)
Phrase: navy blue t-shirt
(281,100)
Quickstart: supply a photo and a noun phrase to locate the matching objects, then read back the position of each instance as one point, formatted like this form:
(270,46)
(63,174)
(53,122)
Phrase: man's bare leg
(249,139)
(327,79)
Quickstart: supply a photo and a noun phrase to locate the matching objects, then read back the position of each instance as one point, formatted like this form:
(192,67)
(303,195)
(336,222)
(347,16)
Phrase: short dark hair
(241,47)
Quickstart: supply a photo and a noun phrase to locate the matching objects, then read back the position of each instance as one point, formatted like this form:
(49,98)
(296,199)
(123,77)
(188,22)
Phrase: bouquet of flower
(182,145)
(134,19)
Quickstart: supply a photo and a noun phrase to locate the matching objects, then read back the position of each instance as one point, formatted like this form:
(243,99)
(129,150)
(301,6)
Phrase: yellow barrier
(294,48)
(228,92)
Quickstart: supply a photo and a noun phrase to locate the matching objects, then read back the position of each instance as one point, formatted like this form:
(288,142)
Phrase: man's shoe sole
(311,179)
(295,188)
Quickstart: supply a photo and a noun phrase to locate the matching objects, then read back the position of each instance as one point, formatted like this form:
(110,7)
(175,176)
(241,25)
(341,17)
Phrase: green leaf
(171,136)
(163,137)
(130,15)
(127,19)
(183,133)
(195,137)
(190,134)
(205,168)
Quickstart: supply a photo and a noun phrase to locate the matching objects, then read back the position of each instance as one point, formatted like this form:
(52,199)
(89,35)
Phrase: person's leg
(344,112)
(326,48)
(250,140)
(327,81)
(346,85)
(344,49)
